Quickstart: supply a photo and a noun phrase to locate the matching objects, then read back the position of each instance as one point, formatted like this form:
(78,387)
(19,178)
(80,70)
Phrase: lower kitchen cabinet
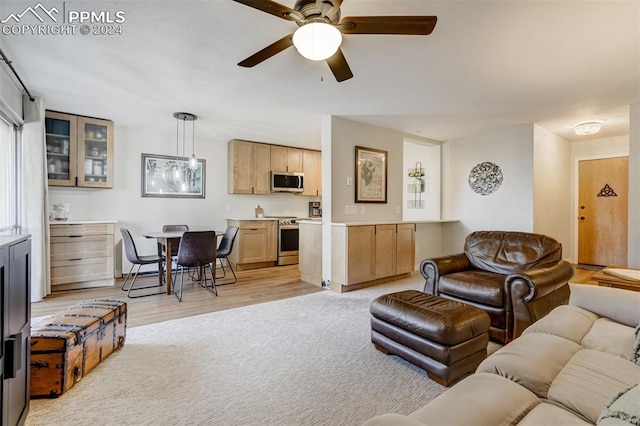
(15,294)
(367,254)
(255,245)
(81,255)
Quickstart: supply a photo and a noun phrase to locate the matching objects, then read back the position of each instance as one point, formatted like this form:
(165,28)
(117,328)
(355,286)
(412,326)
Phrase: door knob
(582,217)
(582,207)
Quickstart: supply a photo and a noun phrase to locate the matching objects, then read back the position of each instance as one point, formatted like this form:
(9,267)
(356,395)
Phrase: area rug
(307,360)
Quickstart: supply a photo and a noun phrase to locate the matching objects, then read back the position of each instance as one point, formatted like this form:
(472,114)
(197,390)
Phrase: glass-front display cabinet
(79,150)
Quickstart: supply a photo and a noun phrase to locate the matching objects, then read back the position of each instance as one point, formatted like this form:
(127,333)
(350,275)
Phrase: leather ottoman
(447,339)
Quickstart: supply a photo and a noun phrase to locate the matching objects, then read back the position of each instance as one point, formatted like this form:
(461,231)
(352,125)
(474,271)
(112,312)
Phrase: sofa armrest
(620,305)
(532,294)
(539,282)
(433,269)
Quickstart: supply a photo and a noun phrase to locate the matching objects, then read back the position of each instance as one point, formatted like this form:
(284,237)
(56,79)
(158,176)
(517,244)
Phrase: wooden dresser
(81,254)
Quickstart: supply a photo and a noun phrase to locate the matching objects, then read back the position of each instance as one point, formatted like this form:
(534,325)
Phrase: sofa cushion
(570,322)
(480,399)
(532,360)
(620,305)
(549,414)
(479,286)
(611,337)
(636,347)
(623,409)
(508,252)
(590,379)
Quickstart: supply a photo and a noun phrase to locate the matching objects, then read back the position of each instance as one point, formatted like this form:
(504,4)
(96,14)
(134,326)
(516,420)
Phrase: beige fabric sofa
(564,369)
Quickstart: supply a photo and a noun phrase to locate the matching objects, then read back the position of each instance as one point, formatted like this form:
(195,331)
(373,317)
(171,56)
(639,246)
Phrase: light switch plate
(349,180)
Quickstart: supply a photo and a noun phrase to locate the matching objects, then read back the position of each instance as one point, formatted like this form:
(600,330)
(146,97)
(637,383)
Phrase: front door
(603,211)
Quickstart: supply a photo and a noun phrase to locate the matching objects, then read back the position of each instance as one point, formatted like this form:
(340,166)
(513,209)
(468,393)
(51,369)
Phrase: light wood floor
(253,286)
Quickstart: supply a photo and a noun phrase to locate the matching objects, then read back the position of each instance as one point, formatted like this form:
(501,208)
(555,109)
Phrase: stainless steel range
(288,240)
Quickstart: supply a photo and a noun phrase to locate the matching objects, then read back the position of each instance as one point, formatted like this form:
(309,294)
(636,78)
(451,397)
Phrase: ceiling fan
(320,31)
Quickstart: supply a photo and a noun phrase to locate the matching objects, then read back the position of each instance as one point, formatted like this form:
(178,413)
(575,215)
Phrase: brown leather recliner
(516,277)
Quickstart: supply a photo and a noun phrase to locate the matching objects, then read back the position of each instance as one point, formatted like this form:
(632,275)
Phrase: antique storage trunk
(67,346)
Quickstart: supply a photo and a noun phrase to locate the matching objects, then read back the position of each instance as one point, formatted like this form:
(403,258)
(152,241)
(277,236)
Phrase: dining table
(169,239)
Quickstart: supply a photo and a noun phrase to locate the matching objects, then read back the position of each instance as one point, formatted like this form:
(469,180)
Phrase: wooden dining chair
(135,259)
(197,249)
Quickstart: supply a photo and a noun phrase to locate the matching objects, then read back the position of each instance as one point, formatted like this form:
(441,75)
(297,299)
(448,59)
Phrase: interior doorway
(603,211)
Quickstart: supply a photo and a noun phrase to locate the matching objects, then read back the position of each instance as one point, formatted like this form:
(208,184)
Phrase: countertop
(80,222)
(252,218)
(393,222)
(9,240)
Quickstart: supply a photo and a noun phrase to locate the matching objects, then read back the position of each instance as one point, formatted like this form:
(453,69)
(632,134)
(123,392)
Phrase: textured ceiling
(487,64)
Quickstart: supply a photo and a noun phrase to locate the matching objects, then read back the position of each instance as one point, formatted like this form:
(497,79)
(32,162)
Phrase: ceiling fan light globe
(317,40)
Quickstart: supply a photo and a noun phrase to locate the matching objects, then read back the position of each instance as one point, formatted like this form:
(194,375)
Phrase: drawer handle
(75,236)
(79,258)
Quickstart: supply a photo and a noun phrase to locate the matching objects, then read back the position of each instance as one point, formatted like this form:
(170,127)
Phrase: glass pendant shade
(317,40)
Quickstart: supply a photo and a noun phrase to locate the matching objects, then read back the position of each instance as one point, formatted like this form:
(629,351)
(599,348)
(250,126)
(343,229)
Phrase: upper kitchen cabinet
(79,150)
(248,167)
(286,159)
(312,169)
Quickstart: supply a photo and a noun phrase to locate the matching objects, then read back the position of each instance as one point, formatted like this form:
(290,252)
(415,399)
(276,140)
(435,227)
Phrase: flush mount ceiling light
(588,128)
(317,40)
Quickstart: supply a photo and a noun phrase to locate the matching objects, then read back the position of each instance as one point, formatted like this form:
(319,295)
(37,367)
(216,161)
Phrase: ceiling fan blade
(267,52)
(271,7)
(403,25)
(339,66)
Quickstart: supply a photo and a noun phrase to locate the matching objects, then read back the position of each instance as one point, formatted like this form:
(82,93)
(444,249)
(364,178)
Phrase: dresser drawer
(81,229)
(253,224)
(81,247)
(73,271)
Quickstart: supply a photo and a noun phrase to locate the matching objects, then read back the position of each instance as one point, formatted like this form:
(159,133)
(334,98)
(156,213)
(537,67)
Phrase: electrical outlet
(228,207)
(362,210)
(349,180)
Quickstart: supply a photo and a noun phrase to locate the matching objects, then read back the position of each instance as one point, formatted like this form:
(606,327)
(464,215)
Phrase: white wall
(633,251)
(125,204)
(508,208)
(552,188)
(429,156)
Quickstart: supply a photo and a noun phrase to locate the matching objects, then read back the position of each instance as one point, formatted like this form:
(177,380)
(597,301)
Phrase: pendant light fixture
(184,117)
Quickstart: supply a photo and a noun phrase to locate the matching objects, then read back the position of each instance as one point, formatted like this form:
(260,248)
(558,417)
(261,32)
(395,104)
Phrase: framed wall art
(371,175)
(172,177)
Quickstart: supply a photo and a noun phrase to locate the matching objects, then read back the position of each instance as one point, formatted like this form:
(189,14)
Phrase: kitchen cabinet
(312,169)
(286,159)
(79,150)
(369,254)
(81,255)
(255,245)
(405,248)
(15,294)
(249,167)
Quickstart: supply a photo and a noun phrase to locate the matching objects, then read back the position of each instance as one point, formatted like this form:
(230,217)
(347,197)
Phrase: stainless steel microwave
(287,182)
